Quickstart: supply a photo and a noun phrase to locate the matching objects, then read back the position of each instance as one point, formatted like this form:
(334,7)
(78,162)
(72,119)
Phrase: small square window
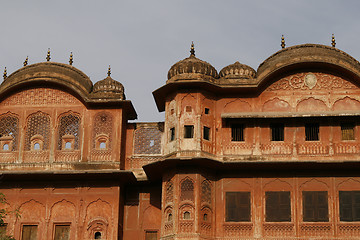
(207,110)
(312,132)
(277,132)
(237,132)
(347,131)
(188,109)
(206,133)
(188,131)
(62,232)
(172,134)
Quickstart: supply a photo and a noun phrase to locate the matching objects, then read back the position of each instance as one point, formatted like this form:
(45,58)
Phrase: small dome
(192,65)
(109,86)
(237,70)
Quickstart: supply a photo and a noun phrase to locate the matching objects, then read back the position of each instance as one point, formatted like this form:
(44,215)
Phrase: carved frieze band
(311,81)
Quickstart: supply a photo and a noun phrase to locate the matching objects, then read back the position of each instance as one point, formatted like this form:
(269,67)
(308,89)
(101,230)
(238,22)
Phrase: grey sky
(143,39)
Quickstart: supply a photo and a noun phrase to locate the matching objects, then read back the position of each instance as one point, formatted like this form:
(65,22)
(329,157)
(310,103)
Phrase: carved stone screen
(9,127)
(38,124)
(103,124)
(69,126)
(187,190)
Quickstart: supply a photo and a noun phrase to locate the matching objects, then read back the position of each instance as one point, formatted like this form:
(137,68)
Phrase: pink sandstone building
(242,154)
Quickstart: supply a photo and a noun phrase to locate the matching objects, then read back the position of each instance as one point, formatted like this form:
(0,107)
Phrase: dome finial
(71,59)
(48,55)
(192,49)
(26,61)
(109,71)
(5,73)
(333,43)
(282,41)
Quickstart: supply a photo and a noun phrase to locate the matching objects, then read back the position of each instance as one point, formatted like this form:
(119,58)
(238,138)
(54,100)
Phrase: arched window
(186,215)
(169,191)
(169,217)
(102,131)
(97,235)
(206,191)
(9,131)
(187,190)
(69,132)
(37,131)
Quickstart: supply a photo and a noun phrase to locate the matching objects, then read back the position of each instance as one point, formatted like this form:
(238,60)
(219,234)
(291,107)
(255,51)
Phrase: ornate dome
(109,87)
(237,70)
(192,65)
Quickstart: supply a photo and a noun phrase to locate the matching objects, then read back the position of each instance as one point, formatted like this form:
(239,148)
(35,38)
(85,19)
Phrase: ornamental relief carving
(311,81)
(41,96)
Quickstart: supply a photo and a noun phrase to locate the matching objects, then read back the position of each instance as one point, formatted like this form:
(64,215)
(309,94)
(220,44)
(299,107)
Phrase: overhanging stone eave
(241,115)
(154,171)
(161,93)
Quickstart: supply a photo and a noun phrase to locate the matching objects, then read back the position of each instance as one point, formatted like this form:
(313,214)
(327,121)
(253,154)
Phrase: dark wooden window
(349,206)
(347,131)
(237,132)
(277,132)
(172,134)
(206,133)
(188,109)
(188,131)
(29,232)
(315,206)
(151,235)
(312,132)
(278,206)
(62,232)
(238,206)
(207,110)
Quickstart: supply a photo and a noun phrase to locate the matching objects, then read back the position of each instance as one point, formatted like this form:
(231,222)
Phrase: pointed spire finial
(333,43)
(5,74)
(71,59)
(26,61)
(282,41)
(109,71)
(192,49)
(48,55)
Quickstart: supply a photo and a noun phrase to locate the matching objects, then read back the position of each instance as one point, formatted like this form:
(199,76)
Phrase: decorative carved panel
(301,81)
(41,96)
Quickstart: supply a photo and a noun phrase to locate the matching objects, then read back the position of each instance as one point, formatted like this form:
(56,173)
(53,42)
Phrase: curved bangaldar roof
(49,73)
(307,55)
(65,76)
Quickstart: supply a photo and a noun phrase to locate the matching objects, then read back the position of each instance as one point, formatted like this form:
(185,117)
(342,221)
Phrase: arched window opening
(37,131)
(68,145)
(169,191)
(169,217)
(187,190)
(102,131)
(102,145)
(37,146)
(186,215)
(9,130)
(205,217)
(206,191)
(69,131)
(6,147)
(97,235)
